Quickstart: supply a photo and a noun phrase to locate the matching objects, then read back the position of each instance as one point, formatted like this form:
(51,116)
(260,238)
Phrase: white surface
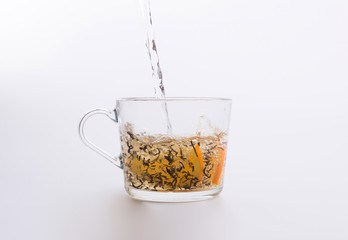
(284,63)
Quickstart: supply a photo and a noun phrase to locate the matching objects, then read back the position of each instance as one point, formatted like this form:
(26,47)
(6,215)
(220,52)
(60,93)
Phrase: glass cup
(173,149)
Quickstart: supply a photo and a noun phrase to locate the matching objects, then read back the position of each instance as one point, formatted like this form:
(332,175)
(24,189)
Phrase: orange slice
(218,172)
(195,157)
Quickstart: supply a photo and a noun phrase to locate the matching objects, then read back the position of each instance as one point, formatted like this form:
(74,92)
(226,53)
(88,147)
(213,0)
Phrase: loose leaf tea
(161,163)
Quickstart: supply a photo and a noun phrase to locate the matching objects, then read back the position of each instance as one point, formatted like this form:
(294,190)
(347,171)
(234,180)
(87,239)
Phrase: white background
(284,64)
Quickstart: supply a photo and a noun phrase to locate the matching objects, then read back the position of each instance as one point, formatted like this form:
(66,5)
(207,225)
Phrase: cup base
(153,196)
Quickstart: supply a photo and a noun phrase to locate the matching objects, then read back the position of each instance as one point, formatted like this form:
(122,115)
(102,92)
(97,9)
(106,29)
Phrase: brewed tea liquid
(161,163)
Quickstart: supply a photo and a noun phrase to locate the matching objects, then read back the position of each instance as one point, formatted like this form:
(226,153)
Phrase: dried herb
(167,165)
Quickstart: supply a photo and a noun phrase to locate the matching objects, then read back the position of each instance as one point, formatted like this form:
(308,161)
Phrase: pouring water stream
(157,75)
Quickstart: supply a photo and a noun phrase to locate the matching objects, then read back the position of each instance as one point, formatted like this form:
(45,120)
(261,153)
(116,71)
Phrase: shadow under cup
(173,149)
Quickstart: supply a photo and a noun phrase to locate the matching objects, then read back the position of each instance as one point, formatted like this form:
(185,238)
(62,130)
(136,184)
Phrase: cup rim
(171,99)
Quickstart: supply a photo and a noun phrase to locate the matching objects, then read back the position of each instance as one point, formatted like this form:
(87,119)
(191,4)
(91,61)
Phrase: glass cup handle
(113,116)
